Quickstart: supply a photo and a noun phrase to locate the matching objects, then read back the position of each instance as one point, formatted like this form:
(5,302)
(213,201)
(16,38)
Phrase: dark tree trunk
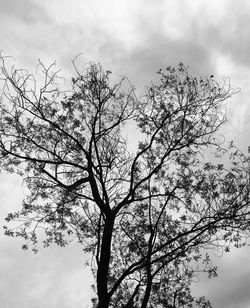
(147,293)
(149,274)
(103,266)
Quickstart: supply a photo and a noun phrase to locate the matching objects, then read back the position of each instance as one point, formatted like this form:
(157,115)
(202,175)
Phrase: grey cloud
(231,291)
(229,35)
(24,10)
(231,288)
(141,63)
(52,278)
(151,49)
(49,279)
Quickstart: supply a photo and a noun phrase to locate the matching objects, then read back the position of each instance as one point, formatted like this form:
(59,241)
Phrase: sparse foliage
(148,215)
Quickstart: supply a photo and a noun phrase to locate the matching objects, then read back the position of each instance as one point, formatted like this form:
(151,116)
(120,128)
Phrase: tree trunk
(103,266)
(147,293)
(149,275)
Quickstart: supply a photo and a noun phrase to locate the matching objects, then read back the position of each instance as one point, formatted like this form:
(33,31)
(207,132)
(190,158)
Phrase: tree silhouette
(147,214)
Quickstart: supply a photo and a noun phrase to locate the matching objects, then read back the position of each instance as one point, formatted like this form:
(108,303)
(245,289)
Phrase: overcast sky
(133,38)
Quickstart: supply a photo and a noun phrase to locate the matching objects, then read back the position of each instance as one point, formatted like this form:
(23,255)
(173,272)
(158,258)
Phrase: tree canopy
(148,214)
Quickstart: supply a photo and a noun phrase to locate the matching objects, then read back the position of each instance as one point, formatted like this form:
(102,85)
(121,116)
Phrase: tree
(148,215)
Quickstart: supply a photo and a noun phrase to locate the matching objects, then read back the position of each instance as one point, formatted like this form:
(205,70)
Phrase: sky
(134,38)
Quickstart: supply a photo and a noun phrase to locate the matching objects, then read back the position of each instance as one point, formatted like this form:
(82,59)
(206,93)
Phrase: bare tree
(147,215)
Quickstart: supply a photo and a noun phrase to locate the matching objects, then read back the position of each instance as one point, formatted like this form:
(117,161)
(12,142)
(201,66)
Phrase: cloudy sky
(133,38)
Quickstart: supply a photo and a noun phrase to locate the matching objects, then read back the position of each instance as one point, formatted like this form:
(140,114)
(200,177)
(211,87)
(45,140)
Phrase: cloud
(223,28)
(142,63)
(49,279)
(27,11)
(231,288)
